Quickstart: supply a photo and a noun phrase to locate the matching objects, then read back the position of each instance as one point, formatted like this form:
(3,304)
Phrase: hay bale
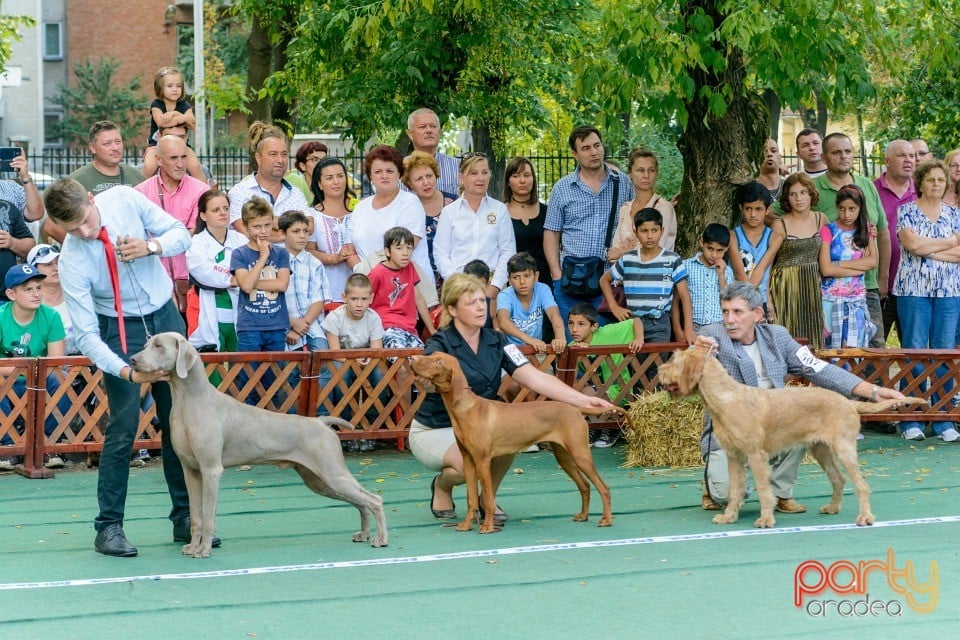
(662,432)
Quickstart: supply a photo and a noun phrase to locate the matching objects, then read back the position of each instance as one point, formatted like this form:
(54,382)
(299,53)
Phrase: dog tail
(333,421)
(592,411)
(886,405)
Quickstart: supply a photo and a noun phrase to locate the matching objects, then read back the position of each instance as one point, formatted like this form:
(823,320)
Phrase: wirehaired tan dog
(486,429)
(210,431)
(754,424)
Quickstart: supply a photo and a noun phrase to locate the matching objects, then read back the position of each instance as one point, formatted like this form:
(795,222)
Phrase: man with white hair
(423,129)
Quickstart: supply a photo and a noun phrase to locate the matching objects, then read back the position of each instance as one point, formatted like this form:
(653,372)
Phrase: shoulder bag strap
(613,210)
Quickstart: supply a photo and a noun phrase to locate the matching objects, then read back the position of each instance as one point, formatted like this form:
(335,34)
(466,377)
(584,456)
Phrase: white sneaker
(914,433)
(949,435)
(607,438)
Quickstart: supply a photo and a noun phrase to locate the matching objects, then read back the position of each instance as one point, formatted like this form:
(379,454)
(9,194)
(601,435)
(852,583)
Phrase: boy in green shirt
(29,329)
(584,327)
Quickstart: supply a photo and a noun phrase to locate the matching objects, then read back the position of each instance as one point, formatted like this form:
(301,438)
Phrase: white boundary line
(461,555)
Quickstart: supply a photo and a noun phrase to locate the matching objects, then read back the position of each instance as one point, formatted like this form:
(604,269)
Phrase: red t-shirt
(393,296)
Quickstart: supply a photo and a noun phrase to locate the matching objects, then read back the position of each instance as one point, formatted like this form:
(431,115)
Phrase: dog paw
(605,522)
(488,529)
(379,540)
(580,517)
(361,536)
(466,525)
(723,518)
(189,549)
(764,522)
(830,509)
(865,519)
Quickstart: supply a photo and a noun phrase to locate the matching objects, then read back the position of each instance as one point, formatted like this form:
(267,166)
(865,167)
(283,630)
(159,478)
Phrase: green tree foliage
(918,93)
(365,65)
(225,57)
(703,63)
(273,28)
(97,96)
(9,33)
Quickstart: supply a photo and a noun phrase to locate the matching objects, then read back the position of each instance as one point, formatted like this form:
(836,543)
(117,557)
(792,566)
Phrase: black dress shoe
(181,532)
(110,541)
(441,514)
(498,518)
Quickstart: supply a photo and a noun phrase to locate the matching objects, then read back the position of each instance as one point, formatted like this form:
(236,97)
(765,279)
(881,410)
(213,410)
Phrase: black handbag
(580,277)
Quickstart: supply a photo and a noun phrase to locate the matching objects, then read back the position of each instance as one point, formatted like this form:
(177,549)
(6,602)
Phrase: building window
(53,41)
(51,122)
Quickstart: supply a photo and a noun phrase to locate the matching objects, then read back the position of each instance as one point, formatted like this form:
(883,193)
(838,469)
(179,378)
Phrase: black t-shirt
(529,238)
(482,369)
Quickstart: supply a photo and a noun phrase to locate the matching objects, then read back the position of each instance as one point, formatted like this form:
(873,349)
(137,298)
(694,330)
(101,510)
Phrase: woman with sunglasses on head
(475,227)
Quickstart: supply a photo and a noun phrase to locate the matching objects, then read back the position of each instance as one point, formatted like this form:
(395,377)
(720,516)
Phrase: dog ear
(692,371)
(442,380)
(186,357)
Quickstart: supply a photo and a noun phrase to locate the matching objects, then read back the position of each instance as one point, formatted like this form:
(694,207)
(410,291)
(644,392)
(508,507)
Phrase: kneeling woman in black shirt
(483,355)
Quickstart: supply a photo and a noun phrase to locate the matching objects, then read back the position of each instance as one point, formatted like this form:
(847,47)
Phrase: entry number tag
(810,361)
(516,356)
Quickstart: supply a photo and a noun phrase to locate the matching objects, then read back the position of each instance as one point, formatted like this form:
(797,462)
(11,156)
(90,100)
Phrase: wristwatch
(153,247)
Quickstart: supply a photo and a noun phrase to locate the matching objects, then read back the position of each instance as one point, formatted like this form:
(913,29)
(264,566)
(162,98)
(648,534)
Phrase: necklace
(523,205)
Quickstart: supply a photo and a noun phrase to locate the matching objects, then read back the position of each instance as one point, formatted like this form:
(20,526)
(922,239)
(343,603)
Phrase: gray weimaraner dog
(211,431)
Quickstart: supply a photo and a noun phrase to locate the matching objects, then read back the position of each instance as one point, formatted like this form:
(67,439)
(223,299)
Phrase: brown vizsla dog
(754,424)
(485,429)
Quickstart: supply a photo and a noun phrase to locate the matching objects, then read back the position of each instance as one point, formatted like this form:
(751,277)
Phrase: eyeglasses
(43,253)
(473,154)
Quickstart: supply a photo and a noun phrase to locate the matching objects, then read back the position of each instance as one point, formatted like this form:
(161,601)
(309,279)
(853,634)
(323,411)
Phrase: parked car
(43,180)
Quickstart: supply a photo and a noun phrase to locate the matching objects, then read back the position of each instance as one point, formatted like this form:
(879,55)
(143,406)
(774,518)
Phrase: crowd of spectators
(272,263)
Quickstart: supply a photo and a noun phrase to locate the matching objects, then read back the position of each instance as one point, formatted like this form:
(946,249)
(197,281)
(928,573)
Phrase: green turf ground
(648,576)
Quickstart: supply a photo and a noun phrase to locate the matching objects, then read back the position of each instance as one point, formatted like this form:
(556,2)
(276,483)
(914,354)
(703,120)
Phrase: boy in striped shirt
(652,276)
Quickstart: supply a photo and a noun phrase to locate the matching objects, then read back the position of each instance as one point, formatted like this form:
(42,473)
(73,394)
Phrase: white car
(43,180)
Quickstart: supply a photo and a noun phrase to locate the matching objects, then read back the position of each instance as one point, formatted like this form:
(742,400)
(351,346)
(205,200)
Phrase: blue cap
(20,273)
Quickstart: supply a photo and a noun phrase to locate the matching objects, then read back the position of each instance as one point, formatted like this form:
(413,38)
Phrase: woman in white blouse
(475,227)
(388,207)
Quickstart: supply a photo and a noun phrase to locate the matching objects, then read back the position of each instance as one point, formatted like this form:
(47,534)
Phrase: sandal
(441,514)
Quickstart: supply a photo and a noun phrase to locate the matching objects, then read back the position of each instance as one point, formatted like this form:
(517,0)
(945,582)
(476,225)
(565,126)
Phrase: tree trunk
(821,115)
(259,57)
(259,66)
(483,141)
(624,150)
(283,109)
(772,101)
(816,118)
(718,152)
